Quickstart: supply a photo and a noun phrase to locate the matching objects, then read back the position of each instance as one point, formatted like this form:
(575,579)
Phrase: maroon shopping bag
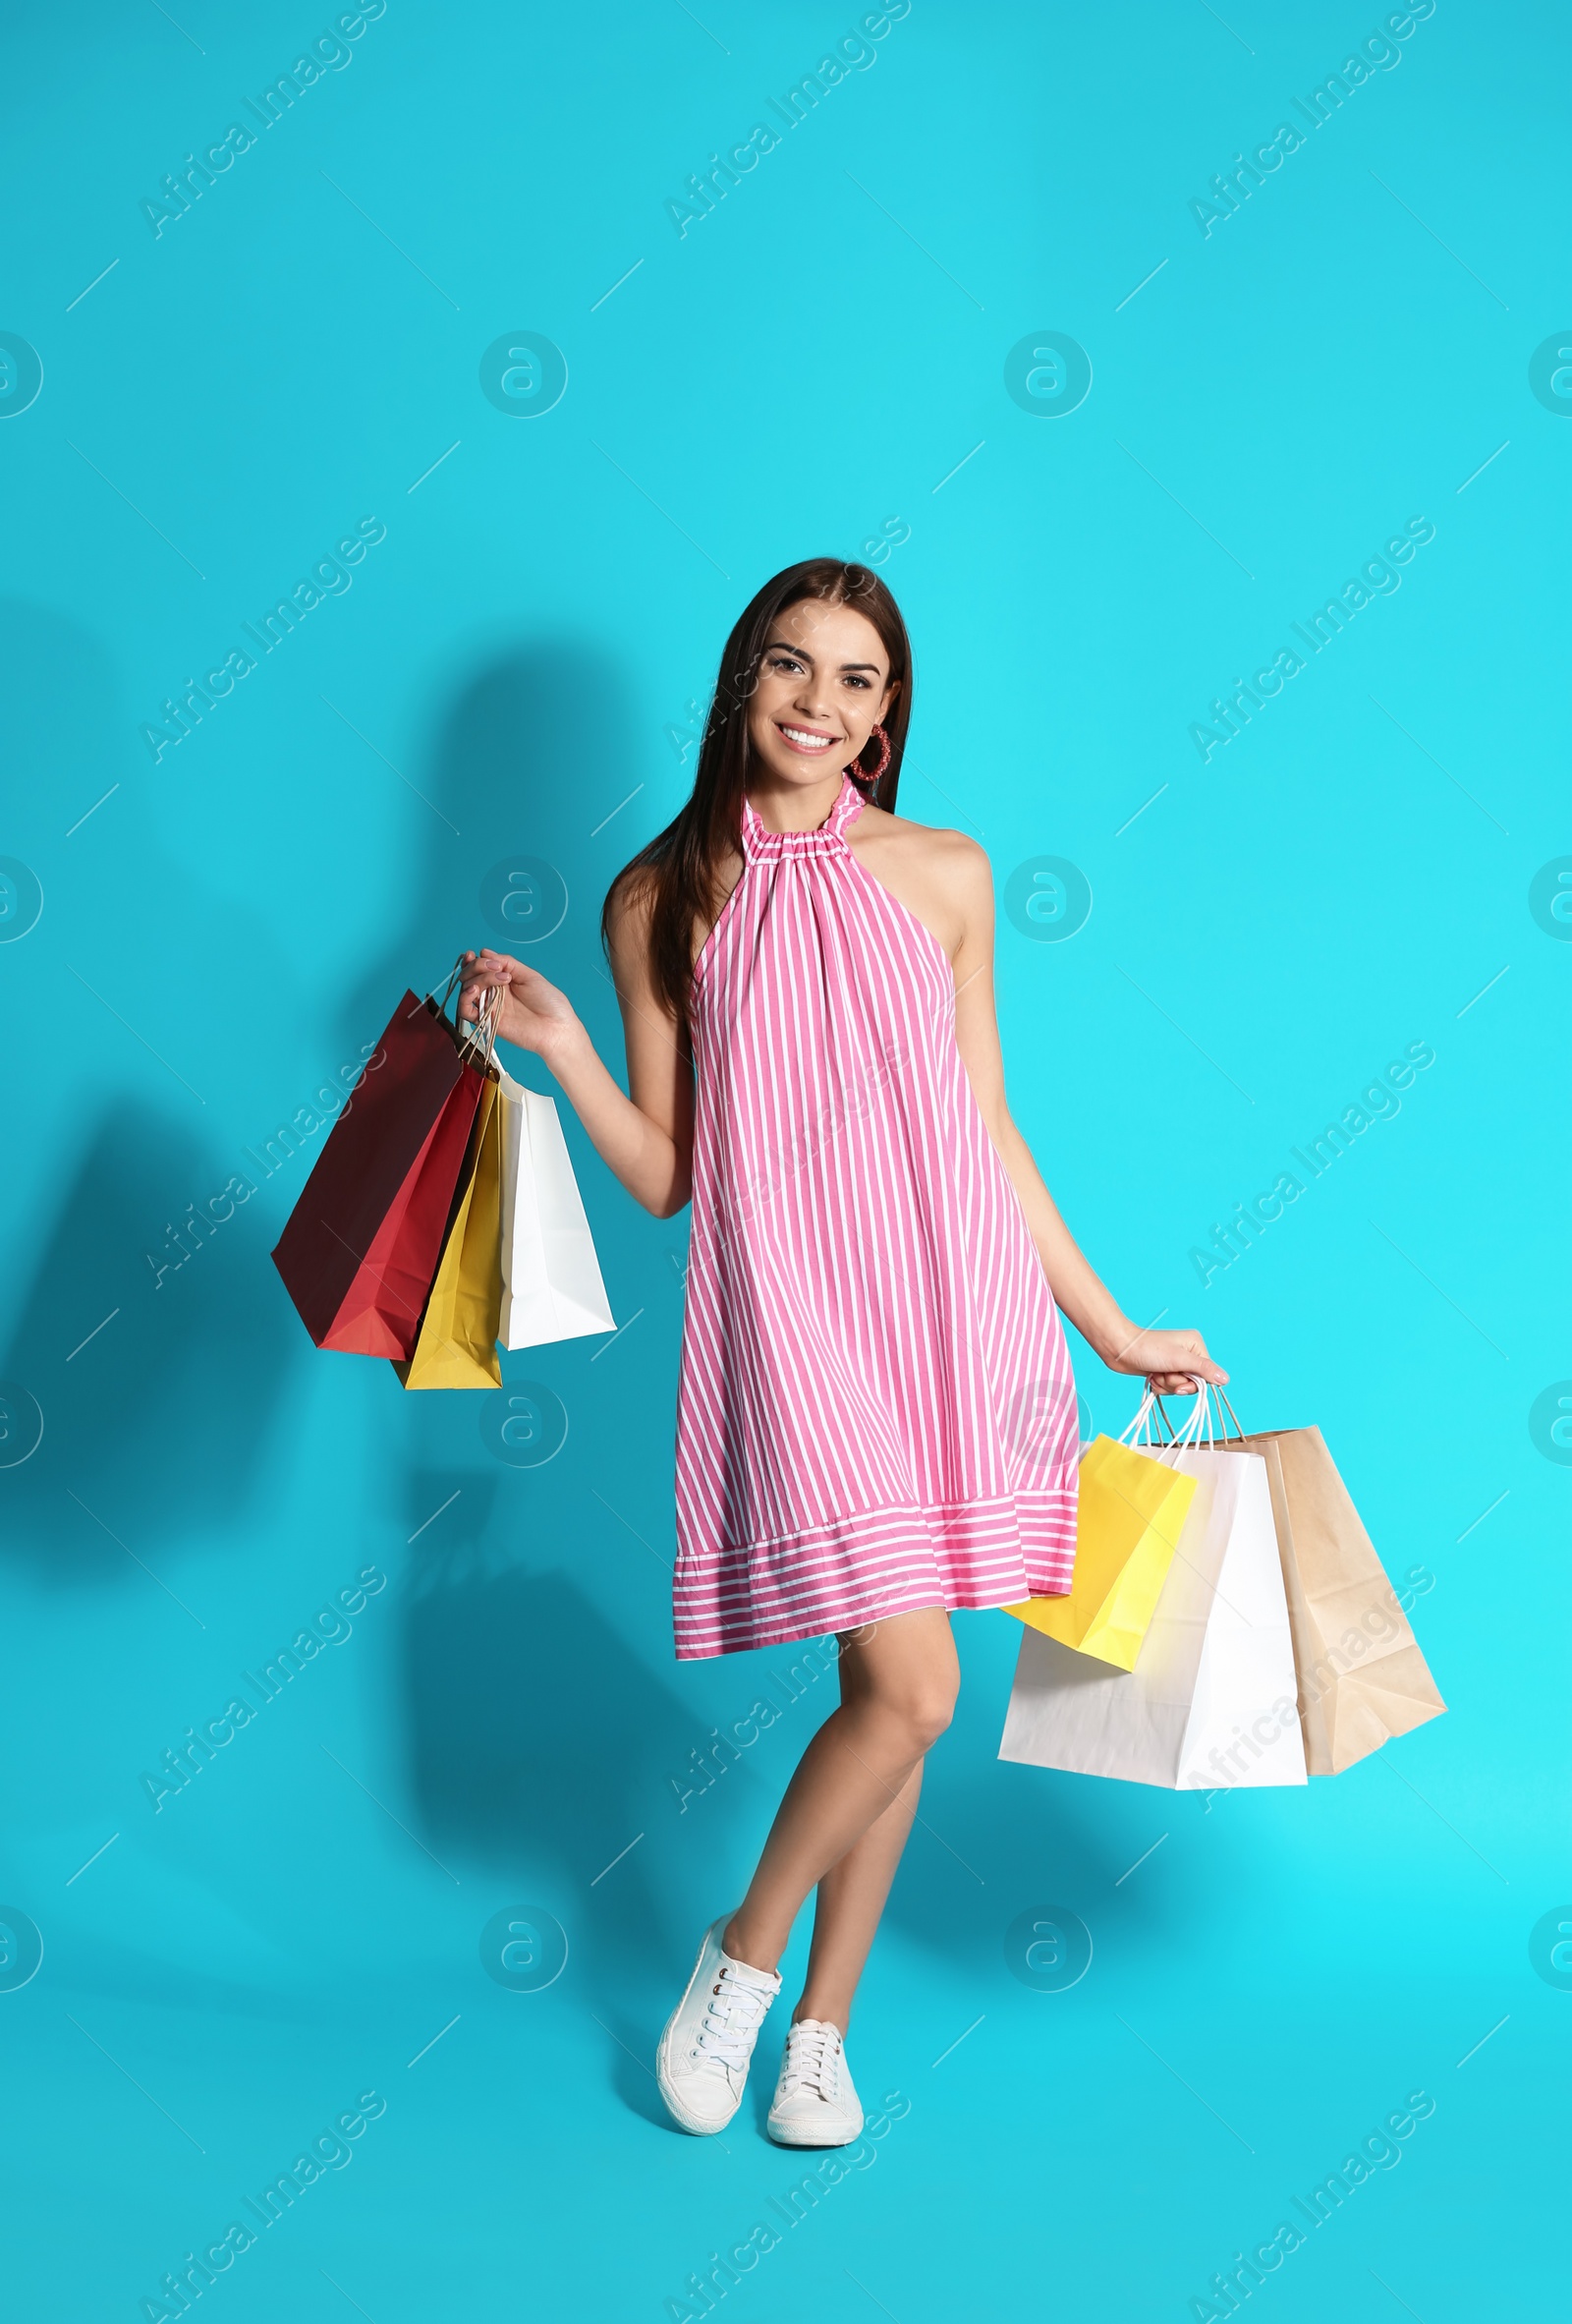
(359,1250)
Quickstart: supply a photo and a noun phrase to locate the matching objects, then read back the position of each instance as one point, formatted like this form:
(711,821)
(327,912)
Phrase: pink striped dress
(875,1409)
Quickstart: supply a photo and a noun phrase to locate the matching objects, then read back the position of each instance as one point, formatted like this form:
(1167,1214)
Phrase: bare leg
(898,1686)
(851,1900)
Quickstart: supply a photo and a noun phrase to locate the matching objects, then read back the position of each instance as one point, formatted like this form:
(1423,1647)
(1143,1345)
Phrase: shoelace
(731,2021)
(813,2061)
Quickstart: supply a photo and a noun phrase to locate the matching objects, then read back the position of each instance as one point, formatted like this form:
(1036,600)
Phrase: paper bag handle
(483,1034)
(1232,1414)
(1198,1419)
(1197,1423)
(1139,1429)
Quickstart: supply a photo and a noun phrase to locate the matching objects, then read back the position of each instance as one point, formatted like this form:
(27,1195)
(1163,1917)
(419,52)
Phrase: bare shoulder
(629,907)
(927,847)
(951,855)
(944,877)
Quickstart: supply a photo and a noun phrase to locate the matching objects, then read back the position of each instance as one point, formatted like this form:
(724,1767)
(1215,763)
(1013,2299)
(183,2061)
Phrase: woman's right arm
(646,1138)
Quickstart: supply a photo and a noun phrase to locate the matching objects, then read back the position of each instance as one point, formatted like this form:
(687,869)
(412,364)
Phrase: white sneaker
(701,2065)
(815,2104)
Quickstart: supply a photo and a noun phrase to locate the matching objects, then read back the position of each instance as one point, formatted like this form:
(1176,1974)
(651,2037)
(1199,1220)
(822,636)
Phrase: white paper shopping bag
(551,1287)
(1212,1700)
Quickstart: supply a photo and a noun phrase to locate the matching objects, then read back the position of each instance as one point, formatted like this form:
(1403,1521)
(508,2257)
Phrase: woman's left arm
(1175,1361)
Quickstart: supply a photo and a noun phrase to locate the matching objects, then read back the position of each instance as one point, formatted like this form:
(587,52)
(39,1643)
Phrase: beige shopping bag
(1362,1677)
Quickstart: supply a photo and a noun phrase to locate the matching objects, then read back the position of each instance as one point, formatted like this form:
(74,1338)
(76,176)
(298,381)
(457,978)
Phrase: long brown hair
(679,869)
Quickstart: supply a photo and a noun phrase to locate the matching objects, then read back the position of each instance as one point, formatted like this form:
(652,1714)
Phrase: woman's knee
(906,1669)
(924,1705)
(929,1713)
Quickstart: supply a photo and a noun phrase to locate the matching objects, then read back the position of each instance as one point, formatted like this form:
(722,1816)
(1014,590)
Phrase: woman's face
(824,685)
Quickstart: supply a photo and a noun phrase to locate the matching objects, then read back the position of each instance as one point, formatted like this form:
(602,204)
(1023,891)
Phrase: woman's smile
(809,740)
(822,680)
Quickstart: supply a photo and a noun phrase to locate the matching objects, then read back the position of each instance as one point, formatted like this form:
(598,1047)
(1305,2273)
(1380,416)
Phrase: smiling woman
(875,1279)
(791,634)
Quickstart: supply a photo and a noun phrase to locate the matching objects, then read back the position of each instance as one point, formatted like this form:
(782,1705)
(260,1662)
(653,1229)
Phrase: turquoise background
(817,366)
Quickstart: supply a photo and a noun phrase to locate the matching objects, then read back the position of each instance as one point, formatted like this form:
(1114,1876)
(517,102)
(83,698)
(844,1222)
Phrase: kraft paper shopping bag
(1362,1677)
(457,1344)
(1211,1700)
(1132,1507)
(551,1287)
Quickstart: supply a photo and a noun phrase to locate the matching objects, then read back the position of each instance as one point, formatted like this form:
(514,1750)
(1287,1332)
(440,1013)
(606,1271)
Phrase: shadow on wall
(158,1424)
(536,1740)
(534,1735)
(533,754)
(159,1421)
(534,750)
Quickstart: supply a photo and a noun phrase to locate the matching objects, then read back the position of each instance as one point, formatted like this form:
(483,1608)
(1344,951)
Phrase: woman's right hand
(531,1013)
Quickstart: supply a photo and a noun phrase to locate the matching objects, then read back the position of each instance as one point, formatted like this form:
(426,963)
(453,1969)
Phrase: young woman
(876,1418)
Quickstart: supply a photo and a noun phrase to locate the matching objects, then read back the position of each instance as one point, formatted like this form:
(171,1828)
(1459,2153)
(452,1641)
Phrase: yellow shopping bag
(1132,1508)
(456,1343)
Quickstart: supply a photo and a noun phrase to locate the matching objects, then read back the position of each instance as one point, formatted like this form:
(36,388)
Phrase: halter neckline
(761,844)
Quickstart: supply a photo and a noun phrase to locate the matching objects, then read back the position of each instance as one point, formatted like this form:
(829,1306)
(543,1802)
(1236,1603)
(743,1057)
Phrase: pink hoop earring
(872,775)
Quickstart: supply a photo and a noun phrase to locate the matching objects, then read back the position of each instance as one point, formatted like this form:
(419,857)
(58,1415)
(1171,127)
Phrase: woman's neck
(797,806)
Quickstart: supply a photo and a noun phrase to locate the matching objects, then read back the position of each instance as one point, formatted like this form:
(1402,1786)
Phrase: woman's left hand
(1175,1363)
